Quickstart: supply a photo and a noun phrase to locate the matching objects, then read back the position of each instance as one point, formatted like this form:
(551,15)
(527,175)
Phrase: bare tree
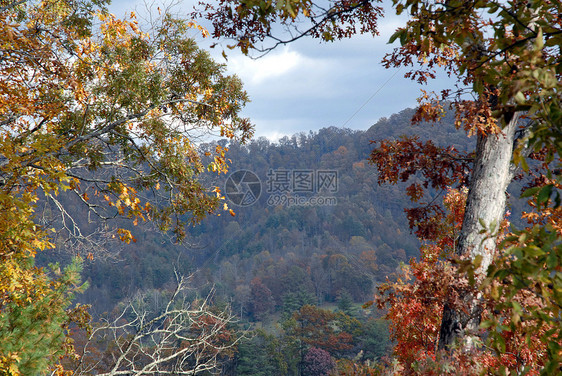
(184,338)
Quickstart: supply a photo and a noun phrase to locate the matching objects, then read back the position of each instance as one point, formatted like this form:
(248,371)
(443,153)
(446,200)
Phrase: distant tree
(326,330)
(345,302)
(266,354)
(293,301)
(369,261)
(318,362)
(374,340)
(261,299)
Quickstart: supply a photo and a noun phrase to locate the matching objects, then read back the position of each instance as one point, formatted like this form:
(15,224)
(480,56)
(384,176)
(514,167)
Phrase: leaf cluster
(93,106)
(252,23)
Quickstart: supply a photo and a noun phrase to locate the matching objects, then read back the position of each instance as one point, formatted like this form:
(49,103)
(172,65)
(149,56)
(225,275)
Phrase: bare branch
(328,15)
(182,339)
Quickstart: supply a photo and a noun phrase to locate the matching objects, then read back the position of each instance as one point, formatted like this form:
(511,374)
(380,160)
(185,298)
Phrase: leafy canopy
(93,106)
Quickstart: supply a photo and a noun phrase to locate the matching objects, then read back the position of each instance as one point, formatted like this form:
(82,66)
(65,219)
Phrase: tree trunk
(485,204)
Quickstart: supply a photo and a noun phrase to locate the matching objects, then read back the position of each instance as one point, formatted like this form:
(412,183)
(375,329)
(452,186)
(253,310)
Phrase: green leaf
(477,261)
(486,324)
(477,86)
(520,98)
(517,307)
(398,33)
(552,260)
(482,223)
(530,192)
(493,226)
(403,38)
(500,344)
(539,41)
(493,8)
(544,194)
(524,164)
(533,251)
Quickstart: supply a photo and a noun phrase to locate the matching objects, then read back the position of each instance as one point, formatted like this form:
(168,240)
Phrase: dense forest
(130,244)
(271,259)
(309,250)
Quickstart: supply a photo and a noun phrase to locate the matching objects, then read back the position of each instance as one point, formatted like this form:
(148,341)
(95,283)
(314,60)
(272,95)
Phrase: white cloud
(276,127)
(309,85)
(272,66)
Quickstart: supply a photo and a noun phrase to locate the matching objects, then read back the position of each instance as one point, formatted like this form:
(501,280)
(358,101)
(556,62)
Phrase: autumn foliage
(94,107)
(414,300)
(323,329)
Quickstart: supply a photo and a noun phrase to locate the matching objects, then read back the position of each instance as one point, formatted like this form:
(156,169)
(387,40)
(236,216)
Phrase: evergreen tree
(33,336)
(345,302)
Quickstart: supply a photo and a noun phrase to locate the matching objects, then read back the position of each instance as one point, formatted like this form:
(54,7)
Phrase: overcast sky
(310,85)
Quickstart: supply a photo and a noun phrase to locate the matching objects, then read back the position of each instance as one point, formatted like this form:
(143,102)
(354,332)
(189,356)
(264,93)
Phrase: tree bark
(485,204)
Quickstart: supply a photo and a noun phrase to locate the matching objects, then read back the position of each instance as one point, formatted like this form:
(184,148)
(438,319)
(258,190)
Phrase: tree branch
(12,5)
(183,339)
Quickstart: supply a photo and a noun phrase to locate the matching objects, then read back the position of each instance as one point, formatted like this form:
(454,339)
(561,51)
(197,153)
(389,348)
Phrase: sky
(309,85)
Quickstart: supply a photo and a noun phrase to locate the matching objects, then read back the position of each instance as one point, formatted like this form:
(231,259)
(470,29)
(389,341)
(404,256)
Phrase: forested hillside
(315,250)
(273,260)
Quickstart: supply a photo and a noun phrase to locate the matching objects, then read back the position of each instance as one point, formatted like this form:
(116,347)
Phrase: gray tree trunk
(486,201)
